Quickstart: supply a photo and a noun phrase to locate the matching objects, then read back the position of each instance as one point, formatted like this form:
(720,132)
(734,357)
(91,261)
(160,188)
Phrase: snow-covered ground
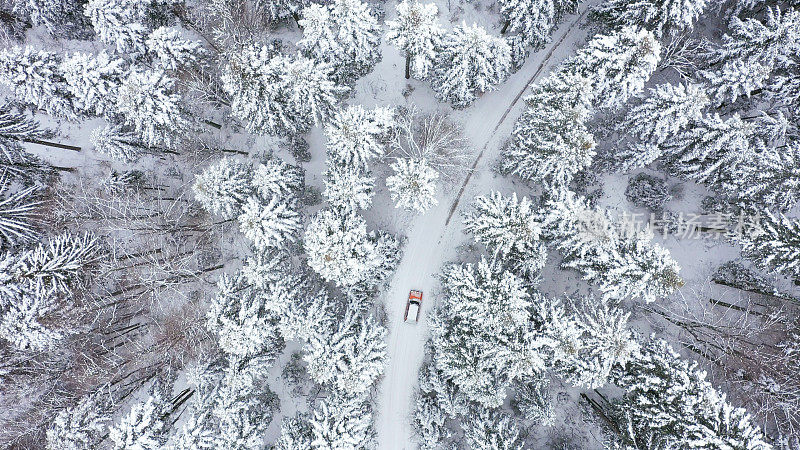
(433,239)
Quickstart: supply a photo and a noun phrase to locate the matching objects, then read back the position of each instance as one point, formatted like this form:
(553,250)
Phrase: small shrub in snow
(299,149)
(647,191)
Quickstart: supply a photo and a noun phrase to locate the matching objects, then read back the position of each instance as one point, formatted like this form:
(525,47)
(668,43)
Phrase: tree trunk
(53,144)
(213,124)
(505,27)
(408,67)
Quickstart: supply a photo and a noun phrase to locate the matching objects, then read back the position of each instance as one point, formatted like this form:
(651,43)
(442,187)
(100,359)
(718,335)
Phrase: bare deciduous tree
(433,137)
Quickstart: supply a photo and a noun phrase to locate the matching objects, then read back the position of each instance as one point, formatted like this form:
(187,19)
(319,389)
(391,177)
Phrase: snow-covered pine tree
(231,407)
(772,180)
(480,331)
(773,243)
(117,23)
(312,92)
(771,43)
(197,432)
(93,81)
(305,315)
(61,18)
(340,249)
(55,265)
(668,110)
(355,136)
(592,340)
(533,401)
(36,78)
(350,358)
(15,128)
(616,65)
(488,429)
(243,404)
(275,177)
(172,52)
(33,285)
(348,188)
(243,319)
(429,422)
(432,382)
(116,142)
(296,433)
(223,187)
(21,323)
(79,427)
(663,115)
(617,256)
(668,402)
(281,10)
(550,142)
(342,422)
(470,62)
(416,33)
(711,150)
(413,185)
(269,223)
(736,79)
(276,94)
(659,16)
(142,428)
(511,230)
(533,20)
(148,104)
(18,214)
(343,34)
(358,37)
(252,78)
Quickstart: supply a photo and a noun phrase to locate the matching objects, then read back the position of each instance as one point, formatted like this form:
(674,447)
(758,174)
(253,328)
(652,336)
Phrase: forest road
(432,241)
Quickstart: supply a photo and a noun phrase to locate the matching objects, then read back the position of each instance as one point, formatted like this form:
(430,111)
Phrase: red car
(413,306)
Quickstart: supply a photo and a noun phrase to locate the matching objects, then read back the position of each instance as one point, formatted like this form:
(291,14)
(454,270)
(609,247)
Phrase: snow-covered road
(433,239)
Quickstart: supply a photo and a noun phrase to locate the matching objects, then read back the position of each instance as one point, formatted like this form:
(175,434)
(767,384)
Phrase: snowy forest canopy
(212,213)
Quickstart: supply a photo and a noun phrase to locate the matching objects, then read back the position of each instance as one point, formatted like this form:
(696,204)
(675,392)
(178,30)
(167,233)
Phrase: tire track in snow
(503,118)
